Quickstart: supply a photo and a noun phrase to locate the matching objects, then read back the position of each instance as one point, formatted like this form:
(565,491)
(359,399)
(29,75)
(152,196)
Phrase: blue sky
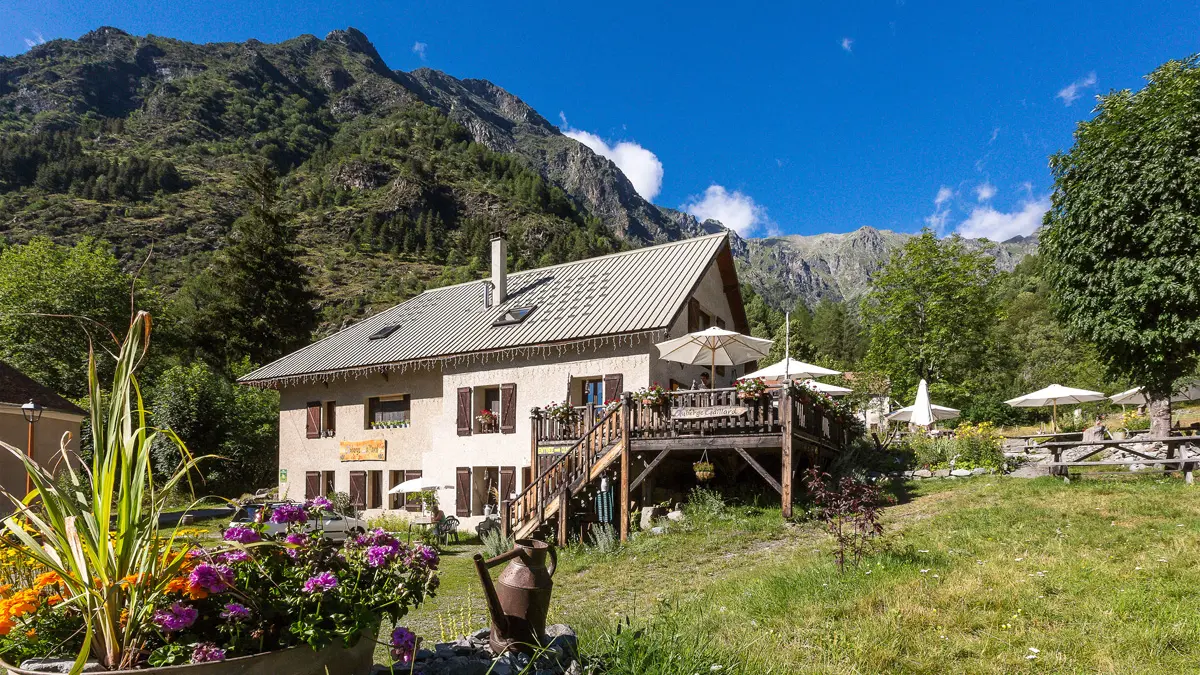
(778,118)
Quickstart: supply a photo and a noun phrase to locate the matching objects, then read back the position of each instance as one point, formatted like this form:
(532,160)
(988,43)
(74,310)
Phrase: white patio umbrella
(792,369)
(415,485)
(713,347)
(831,389)
(1052,396)
(923,413)
(1137,395)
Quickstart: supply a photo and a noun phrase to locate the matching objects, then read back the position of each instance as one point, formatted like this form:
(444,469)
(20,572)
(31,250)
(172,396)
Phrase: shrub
(704,503)
(850,511)
(979,445)
(1132,421)
(495,543)
(605,538)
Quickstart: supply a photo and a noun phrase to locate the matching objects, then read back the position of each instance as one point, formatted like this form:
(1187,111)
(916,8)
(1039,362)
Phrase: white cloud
(419,48)
(848,45)
(941,213)
(984,192)
(1069,93)
(995,134)
(639,165)
(986,221)
(36,40)
(735,210)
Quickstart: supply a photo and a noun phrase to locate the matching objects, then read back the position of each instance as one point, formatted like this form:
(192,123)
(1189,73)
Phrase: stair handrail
(553,469)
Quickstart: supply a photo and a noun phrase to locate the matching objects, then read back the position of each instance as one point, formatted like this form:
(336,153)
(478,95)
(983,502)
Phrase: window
(481,489)
(384,332)
(514,315)
(488,399)
(395,477)
(329,489)
(330,421)
(389,412)
(375,489)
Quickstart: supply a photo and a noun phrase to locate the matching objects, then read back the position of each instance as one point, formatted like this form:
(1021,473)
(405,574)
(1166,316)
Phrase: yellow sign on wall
(374,449)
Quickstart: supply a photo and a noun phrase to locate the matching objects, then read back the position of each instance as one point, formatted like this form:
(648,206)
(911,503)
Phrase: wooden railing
(663,421)
(569,469)
(550,430)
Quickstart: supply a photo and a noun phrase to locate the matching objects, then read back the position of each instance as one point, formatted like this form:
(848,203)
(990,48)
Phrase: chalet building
(54,417)
(413,391)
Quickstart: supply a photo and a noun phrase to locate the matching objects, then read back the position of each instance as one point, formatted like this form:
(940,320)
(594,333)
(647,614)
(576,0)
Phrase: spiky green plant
(101,535)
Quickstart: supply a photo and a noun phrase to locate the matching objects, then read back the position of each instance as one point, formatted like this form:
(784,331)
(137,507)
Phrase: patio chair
(487,525)
(445,528)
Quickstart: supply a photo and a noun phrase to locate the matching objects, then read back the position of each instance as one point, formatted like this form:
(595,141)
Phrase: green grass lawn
(972,574)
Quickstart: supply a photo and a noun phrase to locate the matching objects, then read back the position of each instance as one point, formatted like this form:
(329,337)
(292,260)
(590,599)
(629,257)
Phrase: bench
(1179,443)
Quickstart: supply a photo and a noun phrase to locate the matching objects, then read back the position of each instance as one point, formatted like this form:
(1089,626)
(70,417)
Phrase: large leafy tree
(929,314)
(254,301)
(51,298)
(1122,239)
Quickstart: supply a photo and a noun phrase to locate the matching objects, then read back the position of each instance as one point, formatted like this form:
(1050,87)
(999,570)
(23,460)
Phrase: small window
(487,398)
(389,413)
(330,421)
(375,489)
(514,315)
(330,484)
(384,332)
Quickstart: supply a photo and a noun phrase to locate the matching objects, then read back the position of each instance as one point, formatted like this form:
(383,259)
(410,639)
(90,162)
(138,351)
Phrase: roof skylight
(384,332)
(514,315)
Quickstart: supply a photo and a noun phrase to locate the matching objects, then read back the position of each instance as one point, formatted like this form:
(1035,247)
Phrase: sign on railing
(708,412)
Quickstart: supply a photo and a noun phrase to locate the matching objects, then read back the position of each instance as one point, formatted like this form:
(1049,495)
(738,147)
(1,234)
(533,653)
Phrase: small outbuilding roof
(622,294)
(17,389)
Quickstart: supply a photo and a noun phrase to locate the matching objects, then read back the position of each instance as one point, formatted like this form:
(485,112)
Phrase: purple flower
(325,581)
(378,556)
(376,537)
(236,556)
(235,612)
(212,578)
(319,503)
(430,556)
(404,644)
(242,534)
(176,617)
(289,513)
(207,651)
(296,540)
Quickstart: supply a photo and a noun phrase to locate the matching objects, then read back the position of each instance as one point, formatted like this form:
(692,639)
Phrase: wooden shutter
(462,491)
(312,427)
(508,408)
(312,484)
(464,411)
(526,477)
(613,385)
(508,475)
(693,318)
(358,489)
(412,500)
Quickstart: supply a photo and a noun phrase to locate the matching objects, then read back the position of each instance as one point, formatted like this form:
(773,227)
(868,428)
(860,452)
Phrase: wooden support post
(626,408)
(563,517)
(787,453)
(506,518)
(535,416)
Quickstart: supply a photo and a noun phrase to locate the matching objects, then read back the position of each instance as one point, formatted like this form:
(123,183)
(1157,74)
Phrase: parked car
(335,526)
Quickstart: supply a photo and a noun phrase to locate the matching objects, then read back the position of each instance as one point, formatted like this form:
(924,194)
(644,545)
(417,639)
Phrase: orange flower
(132,579)
(54,599)
(177,585)
(46,579)
(6,625)
(31,633)
(5,589)
(196,592)
(124,616)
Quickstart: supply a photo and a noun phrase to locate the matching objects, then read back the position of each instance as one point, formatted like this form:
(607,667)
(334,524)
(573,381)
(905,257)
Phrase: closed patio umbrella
(923,413)
(791,369)
(1052,396)
(713,347)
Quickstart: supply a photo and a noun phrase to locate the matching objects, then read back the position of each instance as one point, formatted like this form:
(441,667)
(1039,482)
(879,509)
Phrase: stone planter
(301,660)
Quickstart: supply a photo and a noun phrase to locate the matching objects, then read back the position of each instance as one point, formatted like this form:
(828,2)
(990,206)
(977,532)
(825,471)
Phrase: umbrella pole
(712,374)
(1056,416)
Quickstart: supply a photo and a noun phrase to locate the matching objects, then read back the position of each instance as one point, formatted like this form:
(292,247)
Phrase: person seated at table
(437,517)
(704,383)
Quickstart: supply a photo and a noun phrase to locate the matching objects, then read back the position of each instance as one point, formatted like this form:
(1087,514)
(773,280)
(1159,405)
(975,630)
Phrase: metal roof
(629,292)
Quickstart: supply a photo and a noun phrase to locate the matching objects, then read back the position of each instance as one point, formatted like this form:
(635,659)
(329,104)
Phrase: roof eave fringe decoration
(511,353)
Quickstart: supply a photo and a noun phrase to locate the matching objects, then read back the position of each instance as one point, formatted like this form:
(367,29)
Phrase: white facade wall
(432,444)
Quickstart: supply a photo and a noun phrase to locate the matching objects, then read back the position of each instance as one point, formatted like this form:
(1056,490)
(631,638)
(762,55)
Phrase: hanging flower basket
(704,471)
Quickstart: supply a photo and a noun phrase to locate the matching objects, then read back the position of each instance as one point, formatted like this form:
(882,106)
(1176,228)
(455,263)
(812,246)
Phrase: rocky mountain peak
(356,42)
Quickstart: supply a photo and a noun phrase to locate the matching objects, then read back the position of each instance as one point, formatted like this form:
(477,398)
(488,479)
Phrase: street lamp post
(32,412)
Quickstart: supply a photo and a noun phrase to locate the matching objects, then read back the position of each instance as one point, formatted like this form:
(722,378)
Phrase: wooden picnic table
(1177,442)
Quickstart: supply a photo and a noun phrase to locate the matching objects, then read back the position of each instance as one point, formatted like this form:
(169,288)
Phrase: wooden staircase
(549,494)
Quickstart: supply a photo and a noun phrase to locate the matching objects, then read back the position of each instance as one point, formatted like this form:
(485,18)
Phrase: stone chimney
(499,267)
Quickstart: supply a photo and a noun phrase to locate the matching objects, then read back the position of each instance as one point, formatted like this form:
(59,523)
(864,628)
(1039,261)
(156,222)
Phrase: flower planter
(301,660)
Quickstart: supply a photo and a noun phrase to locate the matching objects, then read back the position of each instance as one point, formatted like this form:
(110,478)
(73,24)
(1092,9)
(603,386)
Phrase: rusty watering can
(519,598)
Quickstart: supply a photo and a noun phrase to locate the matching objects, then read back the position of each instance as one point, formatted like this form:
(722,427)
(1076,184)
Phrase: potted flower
(487,421)
(704,471)
(562,413)
(653,396)
(111,588)
(611,405)
(751,390)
